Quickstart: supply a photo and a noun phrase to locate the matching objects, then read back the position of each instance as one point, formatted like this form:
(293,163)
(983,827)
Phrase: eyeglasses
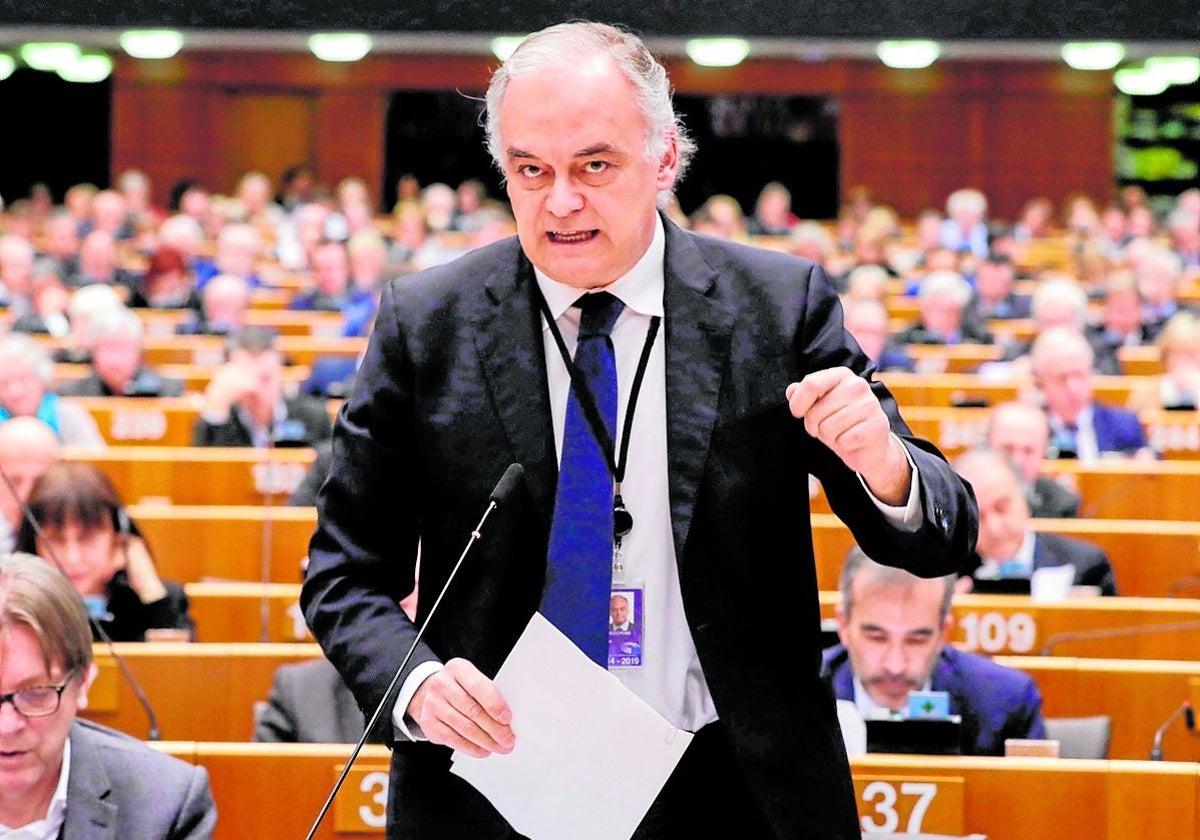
(37,700)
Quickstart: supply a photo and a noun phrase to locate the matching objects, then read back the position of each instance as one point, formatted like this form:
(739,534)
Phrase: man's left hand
(840,410)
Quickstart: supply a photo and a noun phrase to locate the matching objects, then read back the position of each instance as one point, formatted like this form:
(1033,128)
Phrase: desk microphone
(499,495)
(1115,633)
(152,719)
(1189,720)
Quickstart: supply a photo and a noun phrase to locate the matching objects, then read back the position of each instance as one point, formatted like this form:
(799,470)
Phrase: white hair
(567,45)
(109,323)
(945,282)
(181,229)
(21,348)
(1056,341)
(966,201)
(93,299)
(1060,290)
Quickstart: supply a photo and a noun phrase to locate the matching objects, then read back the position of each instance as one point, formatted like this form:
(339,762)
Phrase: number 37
(886,806)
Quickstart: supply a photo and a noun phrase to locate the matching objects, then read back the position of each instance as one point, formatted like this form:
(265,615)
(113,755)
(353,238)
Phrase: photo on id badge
(625,628)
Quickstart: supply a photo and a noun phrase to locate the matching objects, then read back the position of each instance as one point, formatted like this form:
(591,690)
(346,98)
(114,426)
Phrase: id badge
(626,626)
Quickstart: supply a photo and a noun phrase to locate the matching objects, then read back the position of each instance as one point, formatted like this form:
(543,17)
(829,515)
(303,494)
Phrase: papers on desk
(590,755)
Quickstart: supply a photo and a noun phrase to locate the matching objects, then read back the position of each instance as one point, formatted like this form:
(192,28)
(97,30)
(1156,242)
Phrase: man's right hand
(461,708)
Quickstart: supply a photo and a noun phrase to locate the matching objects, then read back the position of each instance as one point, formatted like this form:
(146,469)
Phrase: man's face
(994,281)
(21,391)
(1123,311)
(941,314)
(23,465)
(1066,382)
(893,635)
(620,610)
(869,327)
(331,269)
(116,359)
(574,157)
(1021,436)
(265,372)
(1003,512)
(31,749)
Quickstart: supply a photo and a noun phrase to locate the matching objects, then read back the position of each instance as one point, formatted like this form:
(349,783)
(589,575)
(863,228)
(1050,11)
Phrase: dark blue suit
(995,702)
(1092,566)
(1117,430)
(453,389)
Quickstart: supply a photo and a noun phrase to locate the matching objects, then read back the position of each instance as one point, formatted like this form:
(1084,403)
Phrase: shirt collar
(49,826)
(641,289)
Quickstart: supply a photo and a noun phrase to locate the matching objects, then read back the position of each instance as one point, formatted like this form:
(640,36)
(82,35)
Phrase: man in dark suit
(115,786)
(244,404)
(1020,430)
(463,376)
(1080,427)
(309,704)
(894,629)
(1008,546)
(114,338)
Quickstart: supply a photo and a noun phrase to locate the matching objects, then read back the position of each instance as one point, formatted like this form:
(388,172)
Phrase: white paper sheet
(590,755)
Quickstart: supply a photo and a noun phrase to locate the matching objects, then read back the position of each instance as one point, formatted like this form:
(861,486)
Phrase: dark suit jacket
(1117,430)
(1049,499)
(1092,566)
(995,702)
(453,389)
(310,412)
(119,789)
(309,703)
(147,384)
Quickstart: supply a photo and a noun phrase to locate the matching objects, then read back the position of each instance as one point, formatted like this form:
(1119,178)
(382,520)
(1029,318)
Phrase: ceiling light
(340,46)
(1175,70)
(7,65)
(151,43)
(505,45)
(49,55)
(1138,81)
(907,55)
(1098,55)
(87,68)
(717,52)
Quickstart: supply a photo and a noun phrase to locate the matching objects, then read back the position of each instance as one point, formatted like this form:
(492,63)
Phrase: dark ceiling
(1168,20)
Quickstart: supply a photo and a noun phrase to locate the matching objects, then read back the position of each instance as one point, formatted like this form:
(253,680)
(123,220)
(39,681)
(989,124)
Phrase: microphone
(499,495)
(1189,719)
(1115,633)
(152,719)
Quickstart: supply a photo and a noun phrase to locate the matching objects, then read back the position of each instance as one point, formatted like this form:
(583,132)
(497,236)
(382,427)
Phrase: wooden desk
(1148,557)
(1138,695)
(917,389)
(282,786)
(999,625)
(200,692)
(299,350)
(198,543)
(194,377)
(267,310)
(233,612)
(188,475)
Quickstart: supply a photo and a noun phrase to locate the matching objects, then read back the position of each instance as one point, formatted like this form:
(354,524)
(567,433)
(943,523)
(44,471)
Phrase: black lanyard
(622,520)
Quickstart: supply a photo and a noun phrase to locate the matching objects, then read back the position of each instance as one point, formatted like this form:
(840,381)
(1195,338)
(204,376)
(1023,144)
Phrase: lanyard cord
(588,402)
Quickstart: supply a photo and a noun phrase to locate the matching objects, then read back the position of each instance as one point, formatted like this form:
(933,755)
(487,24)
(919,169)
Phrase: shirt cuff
(910,516)
(403,727)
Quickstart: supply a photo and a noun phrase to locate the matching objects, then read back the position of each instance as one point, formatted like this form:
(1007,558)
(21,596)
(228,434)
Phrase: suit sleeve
(276,723)
(197,815)
(946,536)
(363,554)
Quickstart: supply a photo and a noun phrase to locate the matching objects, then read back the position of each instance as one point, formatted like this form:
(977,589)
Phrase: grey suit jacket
(120,789)
(309,704)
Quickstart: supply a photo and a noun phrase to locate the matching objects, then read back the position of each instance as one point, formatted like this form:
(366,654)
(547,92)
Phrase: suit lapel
(508,339)
(697,327)
(90,814)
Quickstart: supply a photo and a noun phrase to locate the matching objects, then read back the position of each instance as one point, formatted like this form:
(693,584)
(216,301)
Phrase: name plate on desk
(361,804)
(137,424)
(892,804)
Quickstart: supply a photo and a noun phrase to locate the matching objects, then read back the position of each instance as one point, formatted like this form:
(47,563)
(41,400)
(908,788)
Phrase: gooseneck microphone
(499,495)
(1189,720)
(152,719)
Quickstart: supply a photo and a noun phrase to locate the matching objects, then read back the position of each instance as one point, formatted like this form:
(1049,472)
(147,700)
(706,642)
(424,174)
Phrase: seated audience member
(98,263)
(166,284)
(965,229)
(867,282)
(894,629)
(811,241)
(48,302)
(27,449)
(722,216)
(1178,387)
(1020,431)
(245,405)
(1058,301)
(1079,426)
(331,279)
(995,295)
(110,214)
(941,301)
(118,369)
(1158,274)
(1034,220)
(1120,323)
(223,307)
(867,321)
(74,779)
(1008,547)
(86,303)
(1183,229)
(309,704)
(772,212)
(60,251)
(471,213)
(239,247)
(184,235)
(25,375)
(84,528)
(16,273)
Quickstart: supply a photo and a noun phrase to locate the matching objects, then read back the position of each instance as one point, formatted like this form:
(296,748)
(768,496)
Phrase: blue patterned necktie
(579,557)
